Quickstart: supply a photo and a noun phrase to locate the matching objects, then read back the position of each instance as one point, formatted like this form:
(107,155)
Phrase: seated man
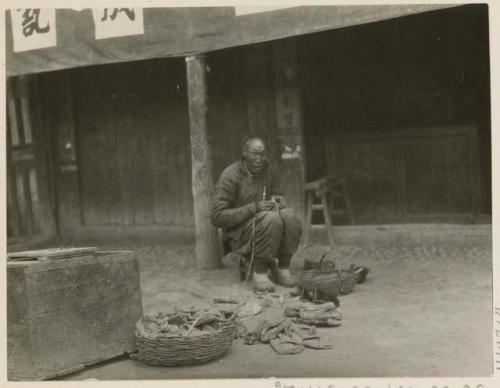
(252,218)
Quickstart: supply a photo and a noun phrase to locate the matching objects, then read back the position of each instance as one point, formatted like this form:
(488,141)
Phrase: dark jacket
(237,193)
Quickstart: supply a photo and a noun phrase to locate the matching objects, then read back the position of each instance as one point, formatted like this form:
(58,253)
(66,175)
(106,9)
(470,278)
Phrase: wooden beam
(208,252)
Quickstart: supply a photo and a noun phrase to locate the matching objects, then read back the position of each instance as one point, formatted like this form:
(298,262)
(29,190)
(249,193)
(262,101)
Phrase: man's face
(255,155)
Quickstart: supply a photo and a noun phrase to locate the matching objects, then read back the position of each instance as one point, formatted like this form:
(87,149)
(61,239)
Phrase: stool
(243,261)
(326,189)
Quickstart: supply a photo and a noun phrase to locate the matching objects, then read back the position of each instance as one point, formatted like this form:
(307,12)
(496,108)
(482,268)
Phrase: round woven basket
(330,281)
(185,350)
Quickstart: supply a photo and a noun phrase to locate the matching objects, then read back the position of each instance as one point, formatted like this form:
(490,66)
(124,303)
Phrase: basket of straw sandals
(184,337)
(327,281)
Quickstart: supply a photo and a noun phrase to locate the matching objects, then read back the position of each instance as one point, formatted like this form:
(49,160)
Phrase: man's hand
(263,206)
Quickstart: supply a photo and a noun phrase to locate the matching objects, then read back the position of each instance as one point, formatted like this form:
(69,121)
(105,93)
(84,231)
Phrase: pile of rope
(182,323)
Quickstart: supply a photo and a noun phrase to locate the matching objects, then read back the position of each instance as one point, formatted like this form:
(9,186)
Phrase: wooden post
(207,241)
(289,122)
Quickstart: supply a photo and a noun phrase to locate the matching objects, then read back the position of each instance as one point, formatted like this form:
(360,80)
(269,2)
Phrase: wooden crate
(69,313)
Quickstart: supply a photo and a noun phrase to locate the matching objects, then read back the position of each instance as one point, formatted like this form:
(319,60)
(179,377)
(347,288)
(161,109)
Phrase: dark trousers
(277,235)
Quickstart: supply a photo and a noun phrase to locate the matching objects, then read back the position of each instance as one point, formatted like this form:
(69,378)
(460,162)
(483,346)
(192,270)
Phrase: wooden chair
(326,190)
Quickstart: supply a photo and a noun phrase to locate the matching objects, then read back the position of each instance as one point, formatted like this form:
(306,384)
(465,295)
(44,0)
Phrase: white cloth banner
(113,22)
(33,28)
(249,9)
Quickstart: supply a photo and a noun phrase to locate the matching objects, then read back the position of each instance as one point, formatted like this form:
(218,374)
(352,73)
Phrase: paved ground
(424,311)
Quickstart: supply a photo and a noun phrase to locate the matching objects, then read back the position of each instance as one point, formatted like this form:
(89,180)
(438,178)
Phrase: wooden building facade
(401,106)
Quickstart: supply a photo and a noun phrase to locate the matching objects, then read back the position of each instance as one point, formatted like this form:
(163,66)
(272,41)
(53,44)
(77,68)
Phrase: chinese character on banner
(33,28)
(113,22)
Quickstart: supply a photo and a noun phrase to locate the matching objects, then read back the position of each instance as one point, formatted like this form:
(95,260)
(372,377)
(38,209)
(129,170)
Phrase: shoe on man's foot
(261,283)
(285,278)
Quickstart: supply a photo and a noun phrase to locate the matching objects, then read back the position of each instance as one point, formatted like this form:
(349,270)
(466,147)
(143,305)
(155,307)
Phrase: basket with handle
(330,281)
(181,350)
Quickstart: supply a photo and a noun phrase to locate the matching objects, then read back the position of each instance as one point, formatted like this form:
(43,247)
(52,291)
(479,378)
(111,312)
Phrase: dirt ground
(425,309)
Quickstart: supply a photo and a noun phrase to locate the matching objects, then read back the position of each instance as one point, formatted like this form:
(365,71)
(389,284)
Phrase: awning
(173,32)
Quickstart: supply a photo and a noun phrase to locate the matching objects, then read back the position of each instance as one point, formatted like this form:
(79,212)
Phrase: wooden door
(29,214)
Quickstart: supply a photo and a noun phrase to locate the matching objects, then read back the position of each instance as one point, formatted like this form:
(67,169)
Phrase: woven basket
(185,350)
(328,281)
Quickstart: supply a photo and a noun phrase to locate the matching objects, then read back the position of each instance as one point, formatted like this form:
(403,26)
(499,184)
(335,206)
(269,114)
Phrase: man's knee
(269,223)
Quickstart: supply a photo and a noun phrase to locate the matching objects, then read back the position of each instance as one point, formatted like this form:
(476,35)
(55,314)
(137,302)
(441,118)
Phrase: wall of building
(227,110)
(131,124)
(131,131)
(131,137)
